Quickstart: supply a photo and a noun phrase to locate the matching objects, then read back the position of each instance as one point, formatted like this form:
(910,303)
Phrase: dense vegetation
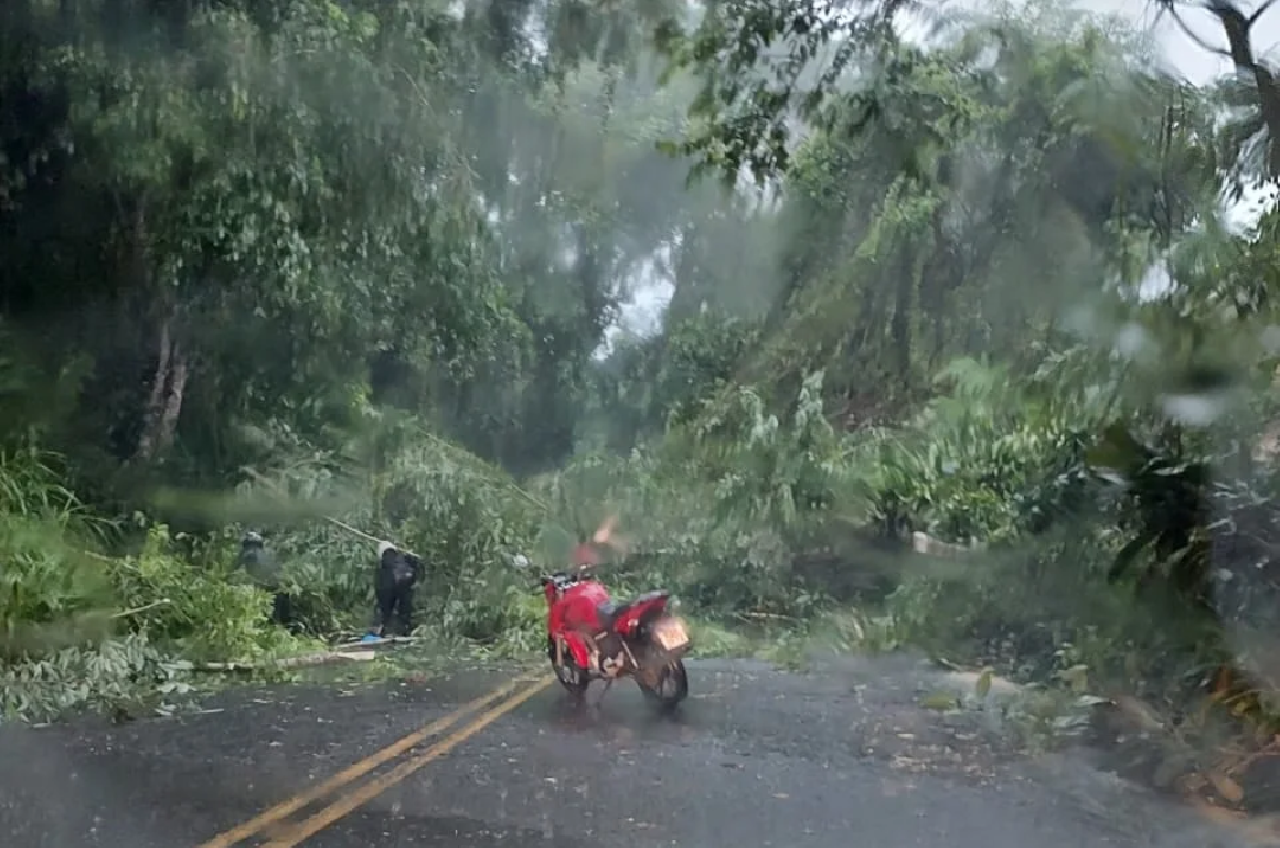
(267,261)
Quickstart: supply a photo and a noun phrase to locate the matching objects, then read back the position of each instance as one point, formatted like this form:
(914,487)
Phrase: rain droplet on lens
(1198,410)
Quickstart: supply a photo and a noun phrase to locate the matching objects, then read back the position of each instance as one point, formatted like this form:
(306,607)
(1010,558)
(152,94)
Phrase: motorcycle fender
(644,611)
(579,651)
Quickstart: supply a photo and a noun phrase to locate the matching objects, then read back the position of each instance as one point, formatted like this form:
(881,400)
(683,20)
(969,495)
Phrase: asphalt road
(757,757)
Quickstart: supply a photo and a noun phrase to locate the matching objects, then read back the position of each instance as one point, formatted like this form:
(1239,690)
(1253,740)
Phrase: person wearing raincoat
(393,583)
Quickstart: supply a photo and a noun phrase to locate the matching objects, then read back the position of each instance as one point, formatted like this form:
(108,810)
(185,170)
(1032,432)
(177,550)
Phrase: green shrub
(52,593)
(121,677)
(200,613)
(989,459)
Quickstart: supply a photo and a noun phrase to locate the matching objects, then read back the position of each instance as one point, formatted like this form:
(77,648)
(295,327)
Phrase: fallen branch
(364,535)
(387,640)
(465,458)
(144,608)
(304,661)
(923,543)
(275,487)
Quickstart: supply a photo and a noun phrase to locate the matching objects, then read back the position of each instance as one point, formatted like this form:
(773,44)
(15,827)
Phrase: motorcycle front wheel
(575,680)
(672,686)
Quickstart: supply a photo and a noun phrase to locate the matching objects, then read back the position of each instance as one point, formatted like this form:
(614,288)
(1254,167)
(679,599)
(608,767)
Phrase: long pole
(363,535)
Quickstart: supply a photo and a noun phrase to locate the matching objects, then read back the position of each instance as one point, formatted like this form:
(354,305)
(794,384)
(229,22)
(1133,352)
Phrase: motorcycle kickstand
(608,684)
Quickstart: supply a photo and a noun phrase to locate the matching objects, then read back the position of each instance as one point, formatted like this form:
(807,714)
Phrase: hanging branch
(1238,29)
(275,487)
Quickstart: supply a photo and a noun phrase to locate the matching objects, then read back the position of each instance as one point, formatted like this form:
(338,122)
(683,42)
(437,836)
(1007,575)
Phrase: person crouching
(398,572)
(264,570)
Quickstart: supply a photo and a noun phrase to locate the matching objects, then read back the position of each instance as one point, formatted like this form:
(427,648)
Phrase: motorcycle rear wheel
(672,688)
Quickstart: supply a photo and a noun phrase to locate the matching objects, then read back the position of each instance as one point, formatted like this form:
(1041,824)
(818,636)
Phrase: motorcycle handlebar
(563,576)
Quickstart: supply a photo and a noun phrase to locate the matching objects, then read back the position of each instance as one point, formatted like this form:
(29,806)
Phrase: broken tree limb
(304,661)
(335,522)
(358,645)
(144,608)
(364,535)
(769,616)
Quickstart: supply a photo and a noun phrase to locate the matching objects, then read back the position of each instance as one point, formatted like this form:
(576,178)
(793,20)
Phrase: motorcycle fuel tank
(578,608)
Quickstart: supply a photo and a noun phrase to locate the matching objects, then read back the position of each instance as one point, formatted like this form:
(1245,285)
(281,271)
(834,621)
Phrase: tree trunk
(901,322)
(172,367)
(164,404)
(944,274)
(1238,29)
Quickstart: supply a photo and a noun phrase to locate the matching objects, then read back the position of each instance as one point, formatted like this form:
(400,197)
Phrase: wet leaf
(1230,791)
(1076,677)
(940,701)
(1092,701)
(983,687)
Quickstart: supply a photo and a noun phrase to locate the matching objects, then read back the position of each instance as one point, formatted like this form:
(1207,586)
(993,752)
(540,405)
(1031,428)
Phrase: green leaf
(982,687)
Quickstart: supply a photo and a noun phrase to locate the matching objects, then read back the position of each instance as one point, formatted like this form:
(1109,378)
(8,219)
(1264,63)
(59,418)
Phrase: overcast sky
(1193,61)
(1196,64)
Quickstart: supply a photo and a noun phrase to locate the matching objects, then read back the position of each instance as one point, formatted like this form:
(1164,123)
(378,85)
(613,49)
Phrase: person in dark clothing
(398,572)
(263,569)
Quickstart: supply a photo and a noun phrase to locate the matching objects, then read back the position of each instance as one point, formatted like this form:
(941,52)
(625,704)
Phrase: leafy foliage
(308,267)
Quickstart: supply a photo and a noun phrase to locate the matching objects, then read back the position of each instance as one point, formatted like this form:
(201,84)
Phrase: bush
(201,613)
(718,510)
(984,460)
(464,517)
(121,677)
(82,630)
(52,593)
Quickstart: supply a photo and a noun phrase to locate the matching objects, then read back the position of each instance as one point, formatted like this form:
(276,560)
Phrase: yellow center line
(286,808)
(368,791)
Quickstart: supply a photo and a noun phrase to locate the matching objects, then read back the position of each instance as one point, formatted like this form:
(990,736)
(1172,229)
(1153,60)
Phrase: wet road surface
(757,757)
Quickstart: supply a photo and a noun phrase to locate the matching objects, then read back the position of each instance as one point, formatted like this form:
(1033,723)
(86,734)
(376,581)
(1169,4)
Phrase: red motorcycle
(590,637)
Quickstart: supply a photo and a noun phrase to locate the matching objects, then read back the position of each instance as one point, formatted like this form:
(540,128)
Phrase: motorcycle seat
(611,611)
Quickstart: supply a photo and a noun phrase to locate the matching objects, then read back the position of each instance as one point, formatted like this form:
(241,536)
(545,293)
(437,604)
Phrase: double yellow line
(289,836)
